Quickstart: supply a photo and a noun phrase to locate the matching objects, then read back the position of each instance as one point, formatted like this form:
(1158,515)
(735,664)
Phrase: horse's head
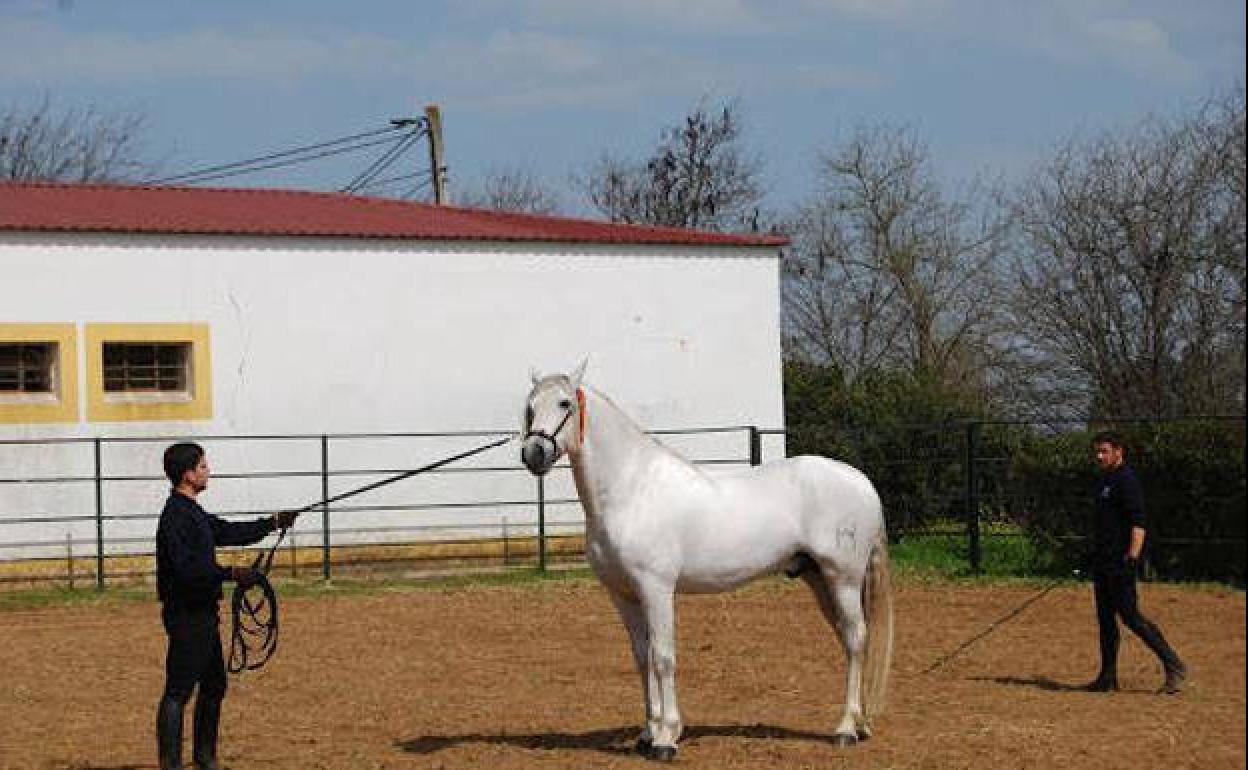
(551,423)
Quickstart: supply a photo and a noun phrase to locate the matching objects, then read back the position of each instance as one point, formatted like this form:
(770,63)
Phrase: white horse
(656,525)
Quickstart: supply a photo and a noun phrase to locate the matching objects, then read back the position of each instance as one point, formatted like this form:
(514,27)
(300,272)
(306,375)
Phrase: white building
(131,312)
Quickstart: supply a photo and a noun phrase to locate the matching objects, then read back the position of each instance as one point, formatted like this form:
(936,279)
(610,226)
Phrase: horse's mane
(628,420)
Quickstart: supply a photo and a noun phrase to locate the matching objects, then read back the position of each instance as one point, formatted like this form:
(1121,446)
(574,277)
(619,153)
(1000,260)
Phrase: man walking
(188,580)
(1117,542)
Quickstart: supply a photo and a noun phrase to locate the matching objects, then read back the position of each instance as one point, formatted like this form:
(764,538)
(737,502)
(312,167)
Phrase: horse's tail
(877,602)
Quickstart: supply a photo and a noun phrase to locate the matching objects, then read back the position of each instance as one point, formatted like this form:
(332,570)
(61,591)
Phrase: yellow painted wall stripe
(64,407)
(102,408)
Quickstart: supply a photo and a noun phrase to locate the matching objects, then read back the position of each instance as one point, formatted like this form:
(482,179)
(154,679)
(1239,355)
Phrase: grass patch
(33,598)
(1005,552)
(519,576)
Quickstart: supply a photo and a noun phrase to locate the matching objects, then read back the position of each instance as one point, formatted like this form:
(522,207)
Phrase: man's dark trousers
(194,658)
(1116,598)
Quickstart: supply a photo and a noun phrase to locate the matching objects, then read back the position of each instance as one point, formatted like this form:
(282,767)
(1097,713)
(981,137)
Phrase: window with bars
(147,367)
(28,368)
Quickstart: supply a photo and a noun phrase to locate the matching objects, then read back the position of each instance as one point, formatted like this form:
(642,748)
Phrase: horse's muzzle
(539,454)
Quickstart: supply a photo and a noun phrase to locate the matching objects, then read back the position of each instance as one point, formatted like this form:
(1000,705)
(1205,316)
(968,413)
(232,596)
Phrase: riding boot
(1176,672)
(207,715)
(169,732)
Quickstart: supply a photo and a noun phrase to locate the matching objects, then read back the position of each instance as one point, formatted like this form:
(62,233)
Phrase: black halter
(551,436)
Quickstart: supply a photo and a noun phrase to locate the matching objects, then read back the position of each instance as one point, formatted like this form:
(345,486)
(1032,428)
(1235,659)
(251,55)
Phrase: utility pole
(433,127)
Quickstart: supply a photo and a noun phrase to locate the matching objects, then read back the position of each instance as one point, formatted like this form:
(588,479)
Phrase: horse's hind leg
(841,603)
(635,621)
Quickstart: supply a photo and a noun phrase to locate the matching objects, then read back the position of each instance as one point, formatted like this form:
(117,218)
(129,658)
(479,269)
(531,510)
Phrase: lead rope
(255,618)
(253,639)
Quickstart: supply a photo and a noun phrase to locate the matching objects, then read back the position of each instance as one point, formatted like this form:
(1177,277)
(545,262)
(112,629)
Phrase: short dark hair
(1110,437)
(180,458)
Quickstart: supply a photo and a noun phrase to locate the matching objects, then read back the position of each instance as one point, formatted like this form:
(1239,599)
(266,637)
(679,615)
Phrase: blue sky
(549,85)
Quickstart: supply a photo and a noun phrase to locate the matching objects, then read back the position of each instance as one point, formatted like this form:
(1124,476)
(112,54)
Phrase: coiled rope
(253,607)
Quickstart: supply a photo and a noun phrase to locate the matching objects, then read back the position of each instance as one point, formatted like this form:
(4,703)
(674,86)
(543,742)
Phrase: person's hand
(244,576)
(285,519)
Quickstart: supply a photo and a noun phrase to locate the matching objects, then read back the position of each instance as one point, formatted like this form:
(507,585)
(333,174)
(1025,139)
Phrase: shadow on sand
(1044,683)
(1038,682)
(77,766)
(617,740)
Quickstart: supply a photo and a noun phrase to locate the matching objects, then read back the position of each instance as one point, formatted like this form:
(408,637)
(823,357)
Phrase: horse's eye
(565,404)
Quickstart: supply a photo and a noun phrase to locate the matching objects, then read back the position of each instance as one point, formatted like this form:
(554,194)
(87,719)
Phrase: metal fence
(973,488)
(85,509)
(994,489)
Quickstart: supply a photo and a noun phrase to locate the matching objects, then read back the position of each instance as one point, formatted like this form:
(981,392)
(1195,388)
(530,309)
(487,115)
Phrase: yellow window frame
(195,405)
(63,405)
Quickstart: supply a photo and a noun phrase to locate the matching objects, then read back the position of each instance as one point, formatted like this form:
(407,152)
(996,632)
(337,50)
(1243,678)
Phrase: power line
(383,162)
(410,194)
(381,183)
(285,163)
(292,157)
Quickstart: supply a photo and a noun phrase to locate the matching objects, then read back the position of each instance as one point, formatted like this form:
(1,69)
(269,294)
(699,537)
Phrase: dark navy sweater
(1119,508)
(187,573)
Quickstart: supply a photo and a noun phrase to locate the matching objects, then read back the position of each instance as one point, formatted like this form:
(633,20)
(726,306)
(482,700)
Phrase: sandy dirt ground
(540,676)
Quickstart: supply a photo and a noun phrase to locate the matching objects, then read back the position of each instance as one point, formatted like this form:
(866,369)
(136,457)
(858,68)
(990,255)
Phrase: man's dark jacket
(1119,508)
(187,572)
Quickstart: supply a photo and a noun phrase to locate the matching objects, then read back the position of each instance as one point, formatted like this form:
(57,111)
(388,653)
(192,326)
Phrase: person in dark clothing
(1118,533)
(188,580)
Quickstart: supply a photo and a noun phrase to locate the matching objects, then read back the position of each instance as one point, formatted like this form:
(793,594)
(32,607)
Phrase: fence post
(756,446)
(541,524)
(99,516)
(325,507)
(972,497)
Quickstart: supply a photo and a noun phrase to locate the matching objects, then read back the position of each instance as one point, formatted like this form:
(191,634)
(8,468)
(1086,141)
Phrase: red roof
(97,208)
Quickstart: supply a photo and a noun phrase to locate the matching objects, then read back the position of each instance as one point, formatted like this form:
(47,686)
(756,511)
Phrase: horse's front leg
(659,607)
(634,619)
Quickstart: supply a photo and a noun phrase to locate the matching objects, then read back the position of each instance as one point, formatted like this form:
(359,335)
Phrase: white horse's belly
(752,530)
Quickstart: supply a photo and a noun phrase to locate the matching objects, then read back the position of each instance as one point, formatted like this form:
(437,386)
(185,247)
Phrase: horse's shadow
(615,740)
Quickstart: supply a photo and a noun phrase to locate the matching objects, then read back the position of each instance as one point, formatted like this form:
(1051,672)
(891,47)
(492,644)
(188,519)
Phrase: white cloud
(507,69)
(33,52)
(1141,45)
(702,17)
(537,50)
(895,11)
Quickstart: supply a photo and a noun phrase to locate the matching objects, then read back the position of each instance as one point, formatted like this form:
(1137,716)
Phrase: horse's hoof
(844,739)
(643,747)
(663,753)
(863,734)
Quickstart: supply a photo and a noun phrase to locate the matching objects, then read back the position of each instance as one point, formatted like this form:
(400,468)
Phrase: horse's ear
(534,374)
(579,374)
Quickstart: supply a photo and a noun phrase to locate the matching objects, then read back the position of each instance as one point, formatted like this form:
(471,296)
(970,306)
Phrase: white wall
(314,336)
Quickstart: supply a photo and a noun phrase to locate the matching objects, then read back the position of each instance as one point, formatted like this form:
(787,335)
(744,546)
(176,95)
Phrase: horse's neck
(611,449)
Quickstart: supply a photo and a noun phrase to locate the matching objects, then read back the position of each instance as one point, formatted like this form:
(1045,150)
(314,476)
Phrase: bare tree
(698,176)
(511,189)
(1130,267)
(887,274)
(41,142)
